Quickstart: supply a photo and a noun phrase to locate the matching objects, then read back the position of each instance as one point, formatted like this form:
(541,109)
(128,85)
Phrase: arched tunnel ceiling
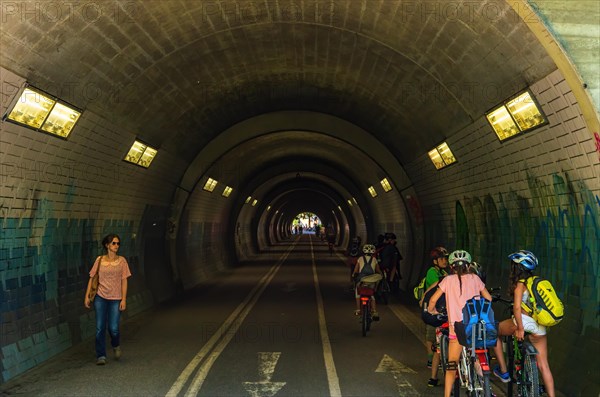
(259,161)
(178,73)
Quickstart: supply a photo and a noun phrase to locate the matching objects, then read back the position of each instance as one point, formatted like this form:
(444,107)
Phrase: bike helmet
(438,252)
(475,268)
(524,258)
(459,258)
(369,249)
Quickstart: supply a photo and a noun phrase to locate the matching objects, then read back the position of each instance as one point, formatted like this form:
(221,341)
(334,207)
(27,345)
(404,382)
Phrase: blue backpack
(478,328)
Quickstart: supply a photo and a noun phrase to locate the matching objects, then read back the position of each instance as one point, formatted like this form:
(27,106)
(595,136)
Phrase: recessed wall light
(515,116)
(442,156)
(210,185)
(386,185)
(372,191)
(43,112)
(227,191)
(141,154)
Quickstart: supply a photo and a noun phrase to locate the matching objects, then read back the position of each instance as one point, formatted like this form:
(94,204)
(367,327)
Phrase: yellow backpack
(544,305)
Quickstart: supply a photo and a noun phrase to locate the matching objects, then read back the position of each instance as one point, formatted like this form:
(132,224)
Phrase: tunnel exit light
(42,112)
(140,154)
(210,185)
(515,116)
(372,191)
(385,184)
(441,156)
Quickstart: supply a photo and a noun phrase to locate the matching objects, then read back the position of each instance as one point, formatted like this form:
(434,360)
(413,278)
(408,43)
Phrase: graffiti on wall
(597,139)
(559,221)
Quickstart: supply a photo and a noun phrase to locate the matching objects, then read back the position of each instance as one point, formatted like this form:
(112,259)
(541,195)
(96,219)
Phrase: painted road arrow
(397,369)
(266,367)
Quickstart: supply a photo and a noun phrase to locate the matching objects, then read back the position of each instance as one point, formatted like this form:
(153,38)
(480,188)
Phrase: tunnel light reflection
(42,112)
(254,202)
(349,202)
(248,199)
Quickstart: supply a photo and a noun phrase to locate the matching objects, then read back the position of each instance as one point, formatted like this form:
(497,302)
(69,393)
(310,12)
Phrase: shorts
(429,333)
(530,325)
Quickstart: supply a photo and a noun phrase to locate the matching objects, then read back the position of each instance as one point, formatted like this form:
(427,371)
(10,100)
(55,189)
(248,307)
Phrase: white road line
(229,328)
(332,377)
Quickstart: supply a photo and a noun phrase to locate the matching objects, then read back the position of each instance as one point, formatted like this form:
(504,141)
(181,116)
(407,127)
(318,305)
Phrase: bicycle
(522,362)
(383,289)
(441,346)
(366,289)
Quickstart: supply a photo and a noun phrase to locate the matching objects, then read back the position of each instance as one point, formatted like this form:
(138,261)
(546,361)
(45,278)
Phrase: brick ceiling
(177,73)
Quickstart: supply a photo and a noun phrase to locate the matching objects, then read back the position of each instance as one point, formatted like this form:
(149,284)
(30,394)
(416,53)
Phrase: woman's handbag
(94,287)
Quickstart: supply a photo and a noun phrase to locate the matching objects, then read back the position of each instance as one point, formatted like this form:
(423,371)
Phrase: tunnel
(200,130)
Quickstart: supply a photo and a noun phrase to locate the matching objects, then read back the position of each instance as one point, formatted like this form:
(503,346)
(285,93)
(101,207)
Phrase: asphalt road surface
(282,325)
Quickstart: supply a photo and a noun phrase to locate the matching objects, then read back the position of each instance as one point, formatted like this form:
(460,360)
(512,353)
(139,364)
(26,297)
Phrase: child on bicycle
(459,288)
(522,265)
(366,265)
(439,260)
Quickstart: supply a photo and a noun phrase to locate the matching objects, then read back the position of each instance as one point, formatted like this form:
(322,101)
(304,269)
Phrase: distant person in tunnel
(366,265)
(111,297)
(390,258)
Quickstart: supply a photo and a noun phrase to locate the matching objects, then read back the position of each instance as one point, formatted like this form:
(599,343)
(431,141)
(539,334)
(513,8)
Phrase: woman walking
(111,298)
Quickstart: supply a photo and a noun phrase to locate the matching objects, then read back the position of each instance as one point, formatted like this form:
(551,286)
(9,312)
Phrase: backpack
(435,320)
(478,328)
(419,290)
(544,305)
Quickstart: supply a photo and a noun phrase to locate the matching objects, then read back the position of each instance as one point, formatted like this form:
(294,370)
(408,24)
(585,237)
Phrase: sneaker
(504,377)
(117,351)
(101,360)
(375,316)
(428,363)
(357,312)
(433,382)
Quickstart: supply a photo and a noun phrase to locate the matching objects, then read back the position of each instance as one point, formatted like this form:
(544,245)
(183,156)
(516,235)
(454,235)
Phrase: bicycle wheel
(366,313)
(444,352)
(530,382)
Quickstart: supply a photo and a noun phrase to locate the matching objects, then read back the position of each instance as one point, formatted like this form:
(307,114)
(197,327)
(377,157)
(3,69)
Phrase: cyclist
(522,265)
(365,266)
(439,259)
(459,288)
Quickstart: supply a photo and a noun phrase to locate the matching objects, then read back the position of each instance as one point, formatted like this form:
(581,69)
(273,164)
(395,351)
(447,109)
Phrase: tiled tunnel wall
(58,199)
(539,191)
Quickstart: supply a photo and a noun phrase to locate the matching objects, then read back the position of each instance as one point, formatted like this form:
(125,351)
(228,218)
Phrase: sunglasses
(115,243)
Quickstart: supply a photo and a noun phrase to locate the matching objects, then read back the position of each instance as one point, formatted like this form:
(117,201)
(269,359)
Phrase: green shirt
(434,274)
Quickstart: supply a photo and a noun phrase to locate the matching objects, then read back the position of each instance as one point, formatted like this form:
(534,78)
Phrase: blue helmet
(525,259)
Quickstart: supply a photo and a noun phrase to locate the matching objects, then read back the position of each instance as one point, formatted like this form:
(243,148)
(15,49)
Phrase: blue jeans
(106,310)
